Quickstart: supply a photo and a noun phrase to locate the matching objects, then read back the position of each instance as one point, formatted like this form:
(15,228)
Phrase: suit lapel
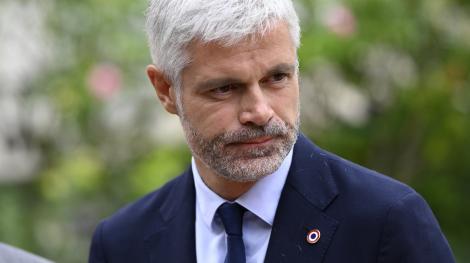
(308,191)
(174,239)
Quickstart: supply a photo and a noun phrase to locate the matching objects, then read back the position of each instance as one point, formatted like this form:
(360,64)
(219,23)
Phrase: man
(257,190)
(9,254)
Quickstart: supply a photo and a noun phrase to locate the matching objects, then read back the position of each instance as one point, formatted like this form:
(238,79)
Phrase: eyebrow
(219,82)
(283,67)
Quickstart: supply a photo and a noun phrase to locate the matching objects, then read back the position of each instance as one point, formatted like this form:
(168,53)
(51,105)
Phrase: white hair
(173,24)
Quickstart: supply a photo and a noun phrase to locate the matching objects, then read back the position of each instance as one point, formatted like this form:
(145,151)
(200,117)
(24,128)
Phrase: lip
(256,141)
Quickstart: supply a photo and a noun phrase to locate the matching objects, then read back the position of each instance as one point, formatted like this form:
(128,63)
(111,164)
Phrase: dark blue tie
(232,218)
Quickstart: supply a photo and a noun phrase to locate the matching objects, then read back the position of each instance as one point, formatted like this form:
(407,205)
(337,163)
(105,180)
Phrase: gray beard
(243,165)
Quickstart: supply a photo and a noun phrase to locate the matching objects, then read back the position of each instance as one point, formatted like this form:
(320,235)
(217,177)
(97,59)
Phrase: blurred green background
(384,83)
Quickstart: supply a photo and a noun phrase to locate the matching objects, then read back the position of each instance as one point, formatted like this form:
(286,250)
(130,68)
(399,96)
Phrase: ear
(164,89)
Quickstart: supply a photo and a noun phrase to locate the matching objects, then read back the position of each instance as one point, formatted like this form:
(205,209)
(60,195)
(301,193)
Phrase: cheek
(210,118)
(285,105)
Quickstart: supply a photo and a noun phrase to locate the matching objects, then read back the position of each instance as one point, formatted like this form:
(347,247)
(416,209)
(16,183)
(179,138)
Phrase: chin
(244,170)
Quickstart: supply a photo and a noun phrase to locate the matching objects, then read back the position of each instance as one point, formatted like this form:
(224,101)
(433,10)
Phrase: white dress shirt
(261,203)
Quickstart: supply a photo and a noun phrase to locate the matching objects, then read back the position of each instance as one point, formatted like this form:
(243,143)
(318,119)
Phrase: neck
(227,189)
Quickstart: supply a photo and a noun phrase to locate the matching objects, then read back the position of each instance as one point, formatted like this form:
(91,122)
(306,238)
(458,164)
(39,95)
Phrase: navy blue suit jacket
(363,217)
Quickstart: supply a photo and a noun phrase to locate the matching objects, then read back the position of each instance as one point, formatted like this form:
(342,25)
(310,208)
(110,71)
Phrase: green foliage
(408,60)
(157,168)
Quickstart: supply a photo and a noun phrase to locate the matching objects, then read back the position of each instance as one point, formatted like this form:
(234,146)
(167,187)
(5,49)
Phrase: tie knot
(231,215)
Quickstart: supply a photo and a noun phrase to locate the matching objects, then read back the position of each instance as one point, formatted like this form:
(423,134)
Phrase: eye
(223,91)
(279,77)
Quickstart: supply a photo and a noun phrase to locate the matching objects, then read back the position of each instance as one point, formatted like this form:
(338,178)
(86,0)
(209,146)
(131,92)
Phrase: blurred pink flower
(104,80)
(340,20)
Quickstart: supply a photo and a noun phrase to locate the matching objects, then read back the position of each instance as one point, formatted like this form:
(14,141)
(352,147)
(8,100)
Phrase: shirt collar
(262,199)
(207,201)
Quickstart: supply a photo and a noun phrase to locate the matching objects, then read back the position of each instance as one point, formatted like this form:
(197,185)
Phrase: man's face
(240,105)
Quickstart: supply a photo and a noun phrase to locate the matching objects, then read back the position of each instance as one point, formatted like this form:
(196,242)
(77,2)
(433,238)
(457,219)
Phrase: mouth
(255,141)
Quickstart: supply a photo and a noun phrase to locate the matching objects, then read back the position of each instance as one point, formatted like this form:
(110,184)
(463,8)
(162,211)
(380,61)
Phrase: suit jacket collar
(308,191)
(310,174)
(174,237)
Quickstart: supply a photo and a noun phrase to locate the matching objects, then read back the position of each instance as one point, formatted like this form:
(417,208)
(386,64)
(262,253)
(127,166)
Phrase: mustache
(271,129)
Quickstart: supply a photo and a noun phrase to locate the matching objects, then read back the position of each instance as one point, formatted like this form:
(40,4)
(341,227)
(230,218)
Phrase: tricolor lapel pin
(313,236)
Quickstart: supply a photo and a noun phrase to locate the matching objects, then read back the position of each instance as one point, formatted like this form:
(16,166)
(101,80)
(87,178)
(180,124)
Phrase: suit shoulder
(142,212)
(135,223)
(323,177)
(354,179)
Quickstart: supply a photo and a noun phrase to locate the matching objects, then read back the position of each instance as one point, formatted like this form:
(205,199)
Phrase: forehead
(255,53)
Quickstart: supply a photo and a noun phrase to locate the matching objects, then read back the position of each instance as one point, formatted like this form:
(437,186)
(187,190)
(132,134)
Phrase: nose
(254,107)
